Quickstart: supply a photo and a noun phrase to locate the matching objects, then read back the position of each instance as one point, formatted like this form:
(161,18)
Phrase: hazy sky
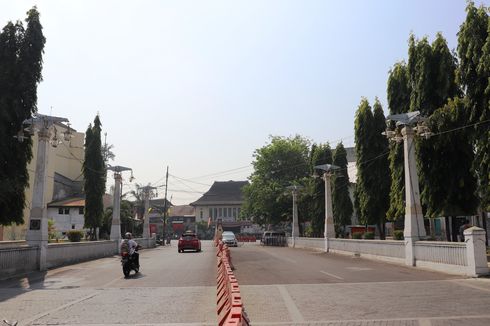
(199,85)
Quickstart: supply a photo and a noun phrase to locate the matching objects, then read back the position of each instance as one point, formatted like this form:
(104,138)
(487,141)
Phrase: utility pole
(165,209)
(37,234)
(116,207)
(329,231)
(408,125)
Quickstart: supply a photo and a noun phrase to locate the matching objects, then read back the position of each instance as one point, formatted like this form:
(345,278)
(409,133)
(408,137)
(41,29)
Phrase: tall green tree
(380,168)
(21,51)
(94,172)
(363,127)
(473,71)
(342,204)
(277,165)
(398,93)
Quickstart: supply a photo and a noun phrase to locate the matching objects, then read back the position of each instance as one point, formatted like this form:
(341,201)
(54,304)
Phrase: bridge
(279,286)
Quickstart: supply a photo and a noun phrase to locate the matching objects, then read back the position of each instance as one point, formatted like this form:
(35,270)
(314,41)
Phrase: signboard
(35,224)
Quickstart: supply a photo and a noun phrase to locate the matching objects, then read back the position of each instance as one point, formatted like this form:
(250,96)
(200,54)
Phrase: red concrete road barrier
(229,303)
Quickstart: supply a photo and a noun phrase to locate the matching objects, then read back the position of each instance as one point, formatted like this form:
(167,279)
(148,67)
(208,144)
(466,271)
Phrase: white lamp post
(116,208)
(37,233)
(295,227)
(328,170)
(407,126)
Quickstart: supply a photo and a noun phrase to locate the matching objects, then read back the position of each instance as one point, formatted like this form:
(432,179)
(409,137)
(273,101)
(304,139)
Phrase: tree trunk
(381,231)
(448,231)
(455,229)
(484,225)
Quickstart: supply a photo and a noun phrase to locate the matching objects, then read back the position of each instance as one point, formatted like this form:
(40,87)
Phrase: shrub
(369,235)
(356,235)
(398,235)
(75,235)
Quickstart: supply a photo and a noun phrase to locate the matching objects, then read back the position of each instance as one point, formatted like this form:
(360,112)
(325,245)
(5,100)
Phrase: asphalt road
(171,288)
(299,287)
(279,286)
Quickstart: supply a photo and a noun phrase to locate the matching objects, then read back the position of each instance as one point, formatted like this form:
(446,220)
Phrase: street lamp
(116,209)
(328,171)
(409,125)
(37,233)
(148,191)
(295,228)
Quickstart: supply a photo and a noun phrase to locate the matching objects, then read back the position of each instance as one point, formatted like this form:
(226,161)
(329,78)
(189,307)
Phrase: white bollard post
(476,251)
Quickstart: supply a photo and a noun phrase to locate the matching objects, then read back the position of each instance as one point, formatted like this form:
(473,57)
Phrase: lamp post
(328,171)
(116,209)
(147,193)
(407,126)
(37,234)
(295,227)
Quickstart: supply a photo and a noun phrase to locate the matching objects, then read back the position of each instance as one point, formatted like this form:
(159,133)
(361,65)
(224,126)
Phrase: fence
(20,259)
(467,258)
(73,252)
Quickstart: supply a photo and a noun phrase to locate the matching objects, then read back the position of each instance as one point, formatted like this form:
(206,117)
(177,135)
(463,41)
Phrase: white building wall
(64,222)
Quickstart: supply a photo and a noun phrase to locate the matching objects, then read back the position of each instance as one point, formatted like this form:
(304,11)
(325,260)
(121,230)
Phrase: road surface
(279,286)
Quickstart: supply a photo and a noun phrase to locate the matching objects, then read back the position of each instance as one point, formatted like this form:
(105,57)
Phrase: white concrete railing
(147,243)
(382,248)
(12,243)
(72,252)
(467,258)
(20,259)
(451,253)
(313,243)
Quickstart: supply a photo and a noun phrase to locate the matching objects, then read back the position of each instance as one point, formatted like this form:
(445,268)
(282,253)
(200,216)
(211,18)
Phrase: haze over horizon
(198,86)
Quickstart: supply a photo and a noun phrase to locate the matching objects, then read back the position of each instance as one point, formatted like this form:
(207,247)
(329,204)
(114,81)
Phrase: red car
(189,241)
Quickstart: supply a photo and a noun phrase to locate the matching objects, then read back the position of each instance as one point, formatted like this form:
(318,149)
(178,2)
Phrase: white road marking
(293,310)
(359,269)
(332,275)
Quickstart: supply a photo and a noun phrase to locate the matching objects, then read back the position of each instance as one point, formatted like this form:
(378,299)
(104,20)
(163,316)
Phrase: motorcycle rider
(130,246)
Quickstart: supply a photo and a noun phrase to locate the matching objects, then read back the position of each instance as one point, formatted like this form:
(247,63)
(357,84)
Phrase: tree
(21,53)
(364,151)
(398,93)
(342,204)
(380,168)
(94,172)
(276,165)
(473,71)
(441,160)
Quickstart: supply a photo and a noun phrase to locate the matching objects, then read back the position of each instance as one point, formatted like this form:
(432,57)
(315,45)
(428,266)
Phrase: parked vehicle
(129,263)
(274,238)
(229,239)
(189,241)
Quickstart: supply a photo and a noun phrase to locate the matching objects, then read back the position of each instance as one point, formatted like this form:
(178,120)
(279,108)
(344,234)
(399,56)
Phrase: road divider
(229,305)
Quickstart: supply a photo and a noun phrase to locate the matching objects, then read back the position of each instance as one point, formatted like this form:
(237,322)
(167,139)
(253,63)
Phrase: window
(215,214)
(67,211)
(80,211)
(220,212)
(238,211)
(201,214)
(211,212)
(234,212)
(229,212)
(73,226)
(60,210)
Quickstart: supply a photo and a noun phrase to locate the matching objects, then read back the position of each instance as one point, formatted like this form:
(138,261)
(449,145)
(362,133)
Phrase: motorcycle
(129,263)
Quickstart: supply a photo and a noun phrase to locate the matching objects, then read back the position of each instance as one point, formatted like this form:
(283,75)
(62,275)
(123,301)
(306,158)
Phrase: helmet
(128,235)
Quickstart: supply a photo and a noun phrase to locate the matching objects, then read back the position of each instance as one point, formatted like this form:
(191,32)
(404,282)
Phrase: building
(64,179)
(68,213)
(222,201)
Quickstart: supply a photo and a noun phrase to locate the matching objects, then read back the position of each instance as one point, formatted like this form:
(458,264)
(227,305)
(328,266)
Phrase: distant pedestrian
(462,228)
